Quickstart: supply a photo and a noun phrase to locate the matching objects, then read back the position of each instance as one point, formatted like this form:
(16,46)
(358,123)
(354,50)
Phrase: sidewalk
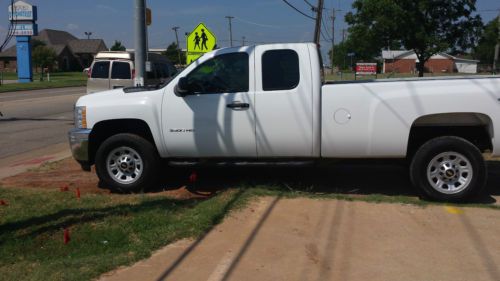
(5,82)
(305,239)
(13,165)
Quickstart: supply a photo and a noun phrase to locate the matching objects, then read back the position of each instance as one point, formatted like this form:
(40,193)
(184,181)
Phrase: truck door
(121,75)
(217,118)
(99,76)
(284,101)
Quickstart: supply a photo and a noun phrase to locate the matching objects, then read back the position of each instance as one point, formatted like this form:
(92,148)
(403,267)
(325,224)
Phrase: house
(406,62)
(73,54)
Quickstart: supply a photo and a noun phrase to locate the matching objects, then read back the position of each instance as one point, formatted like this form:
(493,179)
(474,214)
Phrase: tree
(118,46)
(485,50)
(425,26)
(44,57)
(172,53)
(340,52)
(35,43)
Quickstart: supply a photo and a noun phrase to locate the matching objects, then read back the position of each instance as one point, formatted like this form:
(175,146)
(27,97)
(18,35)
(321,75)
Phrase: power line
(256,23)
(326,29)
(311,5)
(11,30)
(299,11)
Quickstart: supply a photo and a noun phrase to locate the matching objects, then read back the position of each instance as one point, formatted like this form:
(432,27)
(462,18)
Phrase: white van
(112,70)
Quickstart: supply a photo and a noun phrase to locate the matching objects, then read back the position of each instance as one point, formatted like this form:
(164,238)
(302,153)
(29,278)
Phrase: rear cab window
(280,70)
(121,70)
(100,70)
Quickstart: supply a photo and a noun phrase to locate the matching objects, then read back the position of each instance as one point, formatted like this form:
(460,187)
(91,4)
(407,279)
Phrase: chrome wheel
(449,172)
(124,165)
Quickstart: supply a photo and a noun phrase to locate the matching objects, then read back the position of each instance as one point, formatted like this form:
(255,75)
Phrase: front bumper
(79,144)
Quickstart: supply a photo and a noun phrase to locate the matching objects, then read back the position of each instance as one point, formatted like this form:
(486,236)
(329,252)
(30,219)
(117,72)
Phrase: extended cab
(268,102)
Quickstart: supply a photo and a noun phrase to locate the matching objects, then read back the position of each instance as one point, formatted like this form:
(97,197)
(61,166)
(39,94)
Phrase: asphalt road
(33,120)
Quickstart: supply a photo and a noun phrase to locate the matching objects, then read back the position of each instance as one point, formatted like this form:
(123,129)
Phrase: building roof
(9,53)
(87,46)
(54,37)
(59,40)
(392,54)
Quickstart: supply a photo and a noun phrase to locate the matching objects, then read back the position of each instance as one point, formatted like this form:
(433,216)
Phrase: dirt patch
(67,173)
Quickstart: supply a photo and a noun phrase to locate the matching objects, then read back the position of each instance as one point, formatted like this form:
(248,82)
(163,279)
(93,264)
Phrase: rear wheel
(127,163)
(448,169)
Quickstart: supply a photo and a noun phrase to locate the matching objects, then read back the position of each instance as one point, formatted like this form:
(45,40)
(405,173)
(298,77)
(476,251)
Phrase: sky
(259,21)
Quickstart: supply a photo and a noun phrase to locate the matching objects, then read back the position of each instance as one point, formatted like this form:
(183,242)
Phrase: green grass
(107,231)
(57,80)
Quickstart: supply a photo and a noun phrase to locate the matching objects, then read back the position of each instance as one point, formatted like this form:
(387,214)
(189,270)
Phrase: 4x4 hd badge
(182,130)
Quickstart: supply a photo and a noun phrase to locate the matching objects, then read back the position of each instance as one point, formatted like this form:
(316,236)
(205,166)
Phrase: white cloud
(72,26)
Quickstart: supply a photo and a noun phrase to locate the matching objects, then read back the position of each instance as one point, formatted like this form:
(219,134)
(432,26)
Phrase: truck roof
(113,55)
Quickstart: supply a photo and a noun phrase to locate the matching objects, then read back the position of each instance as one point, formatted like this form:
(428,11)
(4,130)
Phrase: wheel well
(105,129)
(475,127)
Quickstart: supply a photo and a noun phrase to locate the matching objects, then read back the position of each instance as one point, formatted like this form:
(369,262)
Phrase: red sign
(363,68)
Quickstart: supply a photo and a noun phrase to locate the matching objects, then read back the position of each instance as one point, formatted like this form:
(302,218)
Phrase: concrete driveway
(306,239)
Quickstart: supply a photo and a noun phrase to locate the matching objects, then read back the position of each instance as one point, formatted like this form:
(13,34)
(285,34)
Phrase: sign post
(200,41)
(23,18)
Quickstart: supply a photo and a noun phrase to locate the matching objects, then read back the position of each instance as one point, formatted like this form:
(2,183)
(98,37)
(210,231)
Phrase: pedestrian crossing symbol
(200,41)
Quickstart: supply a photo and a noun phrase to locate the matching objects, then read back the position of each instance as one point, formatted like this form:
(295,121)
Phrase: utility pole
(243,41)
(230,18)
(497,47)
(175,28)
(333,36)
(140,42)
(319,14)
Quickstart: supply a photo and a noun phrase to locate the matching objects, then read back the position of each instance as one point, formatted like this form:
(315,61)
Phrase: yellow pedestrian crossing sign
(200,41)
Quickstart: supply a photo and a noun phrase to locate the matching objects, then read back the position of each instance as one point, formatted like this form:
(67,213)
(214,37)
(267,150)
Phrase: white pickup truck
(268,103)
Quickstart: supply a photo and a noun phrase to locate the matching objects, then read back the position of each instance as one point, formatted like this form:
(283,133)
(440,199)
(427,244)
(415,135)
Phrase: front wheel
(127,163)
(449,169)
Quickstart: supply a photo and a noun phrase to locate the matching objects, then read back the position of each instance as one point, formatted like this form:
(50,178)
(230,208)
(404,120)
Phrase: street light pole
(230,30)
(243,40)
(88,34)
(140,42)
(319,15)
(497,47)
(175,28)
(333,36)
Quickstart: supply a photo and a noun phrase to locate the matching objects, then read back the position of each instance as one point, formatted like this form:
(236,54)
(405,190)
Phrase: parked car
(268,103)
(112,70)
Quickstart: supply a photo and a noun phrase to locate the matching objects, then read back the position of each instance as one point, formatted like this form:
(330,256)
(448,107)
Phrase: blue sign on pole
(24,70)
(23,17)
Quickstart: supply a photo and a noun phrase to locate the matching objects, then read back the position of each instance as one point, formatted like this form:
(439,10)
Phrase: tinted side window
(172,70)
(121,70)
(100,70)
(151,74)
(161,70)
(280,70)
(227,73)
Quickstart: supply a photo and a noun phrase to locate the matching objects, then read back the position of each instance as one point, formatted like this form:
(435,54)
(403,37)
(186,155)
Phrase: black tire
(444,169)
(149,163)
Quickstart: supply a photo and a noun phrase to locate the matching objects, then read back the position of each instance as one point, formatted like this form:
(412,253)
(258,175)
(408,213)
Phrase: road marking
(223,266)
(453,210)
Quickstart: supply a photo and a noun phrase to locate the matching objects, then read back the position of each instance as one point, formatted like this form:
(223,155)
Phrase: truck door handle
(238,105)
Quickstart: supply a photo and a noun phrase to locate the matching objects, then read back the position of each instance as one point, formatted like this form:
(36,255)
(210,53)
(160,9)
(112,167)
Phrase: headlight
(81,117)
